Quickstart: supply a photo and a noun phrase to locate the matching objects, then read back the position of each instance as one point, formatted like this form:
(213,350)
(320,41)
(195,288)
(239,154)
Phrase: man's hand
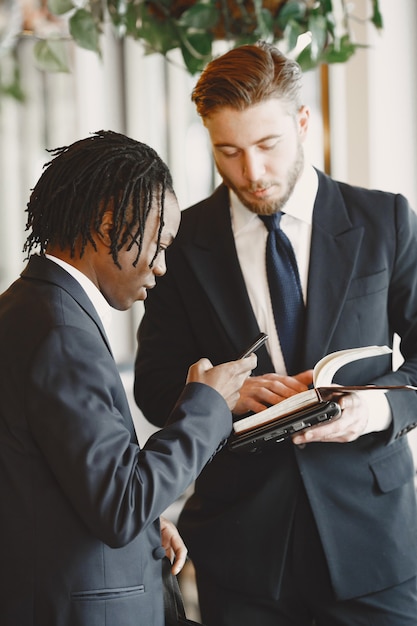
(259,392)
(348,427)
(226,378)
(175,548)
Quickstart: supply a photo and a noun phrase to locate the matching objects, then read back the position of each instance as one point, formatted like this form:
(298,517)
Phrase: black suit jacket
(80,540)
(362,288)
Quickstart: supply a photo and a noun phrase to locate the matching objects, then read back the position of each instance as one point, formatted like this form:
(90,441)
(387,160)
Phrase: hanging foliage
(193,26)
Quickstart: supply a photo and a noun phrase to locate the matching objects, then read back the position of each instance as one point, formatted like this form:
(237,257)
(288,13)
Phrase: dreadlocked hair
(104,171)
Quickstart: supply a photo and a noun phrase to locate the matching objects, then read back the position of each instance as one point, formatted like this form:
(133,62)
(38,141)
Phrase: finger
(179,560)
(203,365)
(342,430)
(250,362)
(197,369)
(348,401)
(306,378)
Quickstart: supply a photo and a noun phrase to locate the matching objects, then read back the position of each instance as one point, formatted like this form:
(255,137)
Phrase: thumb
(197,369)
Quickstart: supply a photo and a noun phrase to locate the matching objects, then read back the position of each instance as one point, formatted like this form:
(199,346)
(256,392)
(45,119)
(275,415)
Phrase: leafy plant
(194,25)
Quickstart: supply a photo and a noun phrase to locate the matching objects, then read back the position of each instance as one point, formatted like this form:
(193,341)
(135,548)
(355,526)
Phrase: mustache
(258,187)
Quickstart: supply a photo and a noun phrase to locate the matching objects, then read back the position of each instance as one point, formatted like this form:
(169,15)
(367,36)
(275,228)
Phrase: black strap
(174,607)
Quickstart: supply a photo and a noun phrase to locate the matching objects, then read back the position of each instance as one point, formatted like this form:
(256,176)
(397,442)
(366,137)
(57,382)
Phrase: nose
(159,267)
(253,166)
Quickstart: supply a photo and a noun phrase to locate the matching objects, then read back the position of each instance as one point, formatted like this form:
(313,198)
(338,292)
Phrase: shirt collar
(300,204)
(99,302)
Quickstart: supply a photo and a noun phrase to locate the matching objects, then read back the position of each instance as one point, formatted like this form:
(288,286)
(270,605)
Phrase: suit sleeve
(77,416)
(402,314)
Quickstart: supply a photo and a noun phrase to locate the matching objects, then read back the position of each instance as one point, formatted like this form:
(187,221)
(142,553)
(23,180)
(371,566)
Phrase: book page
(323,374)
(326,368)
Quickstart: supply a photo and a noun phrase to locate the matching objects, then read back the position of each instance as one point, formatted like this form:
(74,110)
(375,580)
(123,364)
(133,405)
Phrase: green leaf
(292,10)
(317,26)
(13,89)
(159,36)
(51,55)
(131,20)
(263,21)
(305,59)
(327,6)
(127,23)
(200,16)
(162,5)
(291,33)
(59,7)
(330,24)
(85,31)
(342,53)
(196,51)
(330,54)
(265,27)
(376,18)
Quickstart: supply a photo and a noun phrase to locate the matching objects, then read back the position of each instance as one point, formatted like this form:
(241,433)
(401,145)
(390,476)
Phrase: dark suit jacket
(362,288)
(79,542)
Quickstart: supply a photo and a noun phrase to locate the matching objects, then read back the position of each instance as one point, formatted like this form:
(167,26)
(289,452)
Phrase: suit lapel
(334,250)
(42,268)
(335,246)
(213,258)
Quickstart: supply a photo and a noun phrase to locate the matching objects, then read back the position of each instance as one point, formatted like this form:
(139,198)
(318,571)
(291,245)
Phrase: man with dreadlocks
(81,539)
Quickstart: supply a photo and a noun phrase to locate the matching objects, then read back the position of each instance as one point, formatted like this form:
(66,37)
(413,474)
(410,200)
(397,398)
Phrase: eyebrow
(230,145)
(168,238)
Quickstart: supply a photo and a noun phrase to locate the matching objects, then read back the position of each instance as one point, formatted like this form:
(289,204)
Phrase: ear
(303,118)
(105,228)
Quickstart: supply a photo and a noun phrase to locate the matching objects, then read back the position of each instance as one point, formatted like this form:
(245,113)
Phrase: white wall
(373,103)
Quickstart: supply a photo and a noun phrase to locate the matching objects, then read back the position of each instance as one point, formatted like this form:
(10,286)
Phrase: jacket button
(158,553)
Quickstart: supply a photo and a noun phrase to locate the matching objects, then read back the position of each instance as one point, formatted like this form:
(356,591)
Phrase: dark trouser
(306,597)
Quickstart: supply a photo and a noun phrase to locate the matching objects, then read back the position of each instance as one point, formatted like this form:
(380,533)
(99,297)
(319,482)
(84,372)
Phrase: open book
(322,390)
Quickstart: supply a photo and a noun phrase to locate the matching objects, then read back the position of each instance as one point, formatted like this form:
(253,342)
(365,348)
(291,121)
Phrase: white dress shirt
(103,308)
(250,236)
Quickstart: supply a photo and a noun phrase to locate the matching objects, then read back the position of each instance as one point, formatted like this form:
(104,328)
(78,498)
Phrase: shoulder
(205,219)
(361,203)
(363,196)
(217,201)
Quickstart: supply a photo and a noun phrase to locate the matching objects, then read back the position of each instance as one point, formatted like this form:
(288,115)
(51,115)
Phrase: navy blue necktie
(285,290)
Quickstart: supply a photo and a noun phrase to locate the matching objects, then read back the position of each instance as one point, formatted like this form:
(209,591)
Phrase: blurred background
(363,130)
(364,124)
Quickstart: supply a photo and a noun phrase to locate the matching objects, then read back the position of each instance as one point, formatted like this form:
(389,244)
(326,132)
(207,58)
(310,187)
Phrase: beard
(269,207)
